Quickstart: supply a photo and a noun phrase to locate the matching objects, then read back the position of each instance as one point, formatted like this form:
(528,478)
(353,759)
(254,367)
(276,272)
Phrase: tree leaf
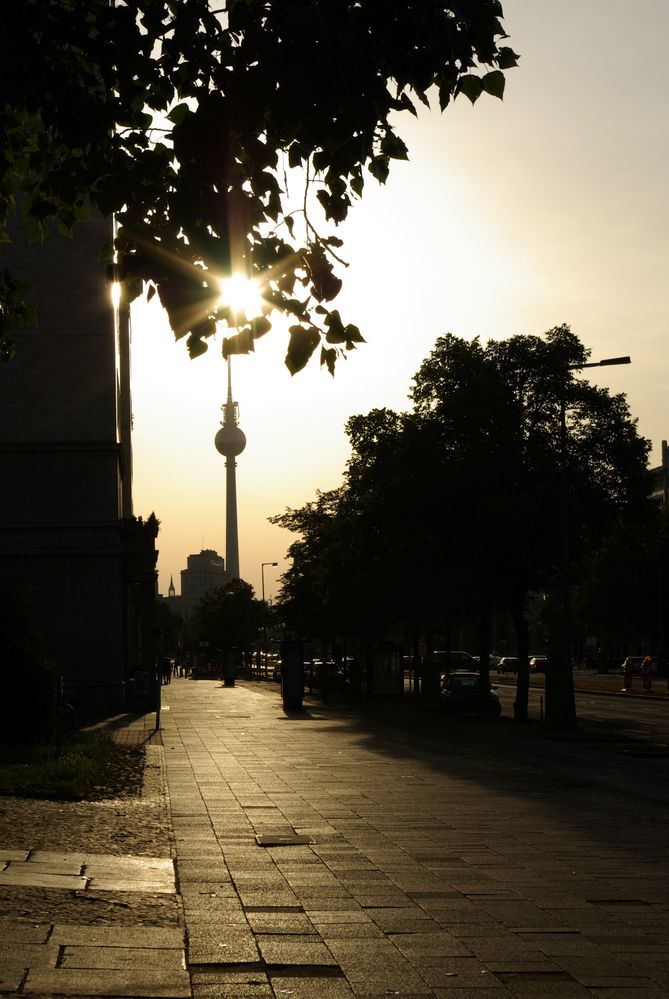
(336,332)
(493,83)
(470,86)
(507,58)
(178,113)
(353,334)
(393,146)
(329,359)
(241,343)
(196,346)
(260,325)
(302,344)
(379,168)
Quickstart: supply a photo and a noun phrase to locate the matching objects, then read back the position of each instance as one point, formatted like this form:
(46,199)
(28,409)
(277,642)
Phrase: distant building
(204,572)
(173,602)
(660,478)
(70,547)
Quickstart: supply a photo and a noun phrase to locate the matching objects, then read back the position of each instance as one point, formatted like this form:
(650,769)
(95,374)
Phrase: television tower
(230,441)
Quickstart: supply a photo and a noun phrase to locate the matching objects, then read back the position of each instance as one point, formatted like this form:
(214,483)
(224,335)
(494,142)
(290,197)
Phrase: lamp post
(264,610)
(560,698)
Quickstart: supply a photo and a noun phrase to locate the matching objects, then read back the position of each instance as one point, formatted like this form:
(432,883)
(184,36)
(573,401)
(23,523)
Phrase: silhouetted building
(69,543)
(173,602)
(660,478)
(204,572)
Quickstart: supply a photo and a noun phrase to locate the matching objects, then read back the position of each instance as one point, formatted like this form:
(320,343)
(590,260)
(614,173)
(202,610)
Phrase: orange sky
(510,217)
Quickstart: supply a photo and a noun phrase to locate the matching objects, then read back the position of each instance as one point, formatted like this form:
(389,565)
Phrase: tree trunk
(520,712)
(484,628)
(415,662)
(560,697)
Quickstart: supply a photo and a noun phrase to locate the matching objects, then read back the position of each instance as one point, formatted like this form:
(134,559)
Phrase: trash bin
(292,674)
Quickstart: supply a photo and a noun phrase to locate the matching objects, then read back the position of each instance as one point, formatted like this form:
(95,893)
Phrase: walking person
(627,677)
(647,673)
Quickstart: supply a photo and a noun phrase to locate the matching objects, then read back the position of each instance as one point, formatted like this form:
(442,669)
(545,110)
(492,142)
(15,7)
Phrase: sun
(242,295)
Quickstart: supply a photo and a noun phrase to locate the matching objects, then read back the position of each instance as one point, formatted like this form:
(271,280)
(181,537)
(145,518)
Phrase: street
(601,700)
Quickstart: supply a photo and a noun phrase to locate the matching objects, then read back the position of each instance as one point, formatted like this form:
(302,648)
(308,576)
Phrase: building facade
(660,478)
(203,572)
(70,547)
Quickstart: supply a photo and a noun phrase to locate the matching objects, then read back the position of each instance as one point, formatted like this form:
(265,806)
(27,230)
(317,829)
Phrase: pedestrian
(165,669)
(627,678)
(647,673)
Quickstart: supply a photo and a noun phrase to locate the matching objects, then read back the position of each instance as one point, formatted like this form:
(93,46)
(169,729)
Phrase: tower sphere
(230,441)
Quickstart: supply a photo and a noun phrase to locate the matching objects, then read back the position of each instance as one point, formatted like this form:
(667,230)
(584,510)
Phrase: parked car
(507,664)
(460,693)
(538,664)
(448,661)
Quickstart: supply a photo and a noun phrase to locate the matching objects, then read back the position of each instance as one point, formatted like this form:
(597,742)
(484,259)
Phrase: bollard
(292,674)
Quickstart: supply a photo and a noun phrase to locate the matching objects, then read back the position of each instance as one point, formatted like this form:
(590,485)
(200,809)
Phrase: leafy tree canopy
(455,509)
(219,136)
(227,617)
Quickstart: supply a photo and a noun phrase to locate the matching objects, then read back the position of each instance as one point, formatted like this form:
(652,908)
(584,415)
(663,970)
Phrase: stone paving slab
(403,879)
(158,937)
(120,958)
(12,974)
(170,983)
(82,871)
(93,960)
(42,879)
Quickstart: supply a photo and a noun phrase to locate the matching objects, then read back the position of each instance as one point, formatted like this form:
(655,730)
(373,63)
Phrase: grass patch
(89,766)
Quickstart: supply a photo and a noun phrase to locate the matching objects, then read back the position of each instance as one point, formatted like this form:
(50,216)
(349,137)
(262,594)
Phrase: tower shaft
(231,528)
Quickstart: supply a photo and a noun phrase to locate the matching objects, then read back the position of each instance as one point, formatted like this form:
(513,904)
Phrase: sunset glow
(509,217)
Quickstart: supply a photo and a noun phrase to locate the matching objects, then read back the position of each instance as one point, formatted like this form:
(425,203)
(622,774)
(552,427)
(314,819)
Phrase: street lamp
(264,608)
(564,694)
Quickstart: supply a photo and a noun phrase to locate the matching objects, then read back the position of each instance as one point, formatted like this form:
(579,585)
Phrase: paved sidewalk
(321,855)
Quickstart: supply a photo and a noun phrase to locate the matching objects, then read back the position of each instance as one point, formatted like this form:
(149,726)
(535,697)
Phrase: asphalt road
(633,714)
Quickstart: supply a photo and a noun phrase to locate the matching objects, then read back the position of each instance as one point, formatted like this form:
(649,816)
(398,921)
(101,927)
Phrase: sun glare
(242,295)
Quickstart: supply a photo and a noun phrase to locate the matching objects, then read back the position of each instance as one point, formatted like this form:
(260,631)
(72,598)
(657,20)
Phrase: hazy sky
(510,217)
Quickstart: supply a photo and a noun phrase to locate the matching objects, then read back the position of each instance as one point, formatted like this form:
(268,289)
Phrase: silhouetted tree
(310,600)
(186,119)
(455,509)
(621,598)
(498,408)
(227,617)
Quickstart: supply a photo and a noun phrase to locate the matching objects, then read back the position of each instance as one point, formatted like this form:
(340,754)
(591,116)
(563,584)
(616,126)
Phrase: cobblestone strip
(80,922)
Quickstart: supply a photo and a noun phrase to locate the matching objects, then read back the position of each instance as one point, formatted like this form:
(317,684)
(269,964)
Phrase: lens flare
(242,295)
